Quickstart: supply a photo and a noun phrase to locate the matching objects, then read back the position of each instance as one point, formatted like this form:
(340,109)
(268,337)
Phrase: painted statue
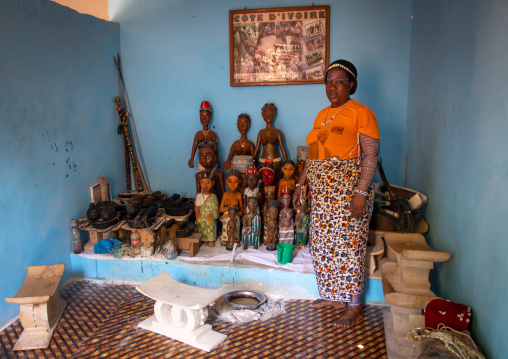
(205,116)
(232,198)
(302,223)
(252,189)
(207,154)
(251,231)
(207,209)
(286,221)
(289,181)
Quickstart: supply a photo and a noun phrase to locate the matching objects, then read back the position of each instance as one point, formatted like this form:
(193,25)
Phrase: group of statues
(257,207)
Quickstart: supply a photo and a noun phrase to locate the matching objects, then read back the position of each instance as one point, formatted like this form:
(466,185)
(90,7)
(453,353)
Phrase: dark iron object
(101,224)
(185,229)
(92,213)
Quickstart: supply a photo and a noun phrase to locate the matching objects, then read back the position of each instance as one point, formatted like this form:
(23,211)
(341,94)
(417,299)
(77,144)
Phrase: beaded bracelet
(361,192)
(299,185)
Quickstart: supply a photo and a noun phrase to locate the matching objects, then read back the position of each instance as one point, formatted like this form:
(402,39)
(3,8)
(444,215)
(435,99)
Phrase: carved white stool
(181,311)
(39,307)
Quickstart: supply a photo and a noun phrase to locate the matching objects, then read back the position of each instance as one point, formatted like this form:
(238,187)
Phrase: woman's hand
(296,198)
(358,205)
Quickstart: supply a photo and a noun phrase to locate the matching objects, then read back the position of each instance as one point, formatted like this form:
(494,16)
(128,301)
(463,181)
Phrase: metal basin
(244,299)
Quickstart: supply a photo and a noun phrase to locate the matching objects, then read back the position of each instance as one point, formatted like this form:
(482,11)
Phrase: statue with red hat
(205,116)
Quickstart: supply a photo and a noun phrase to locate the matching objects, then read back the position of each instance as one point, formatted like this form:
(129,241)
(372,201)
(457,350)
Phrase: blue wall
(176,54)
(458,152)
(58,131)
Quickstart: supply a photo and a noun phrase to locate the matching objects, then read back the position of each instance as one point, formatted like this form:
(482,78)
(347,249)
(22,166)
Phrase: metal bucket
(244,299)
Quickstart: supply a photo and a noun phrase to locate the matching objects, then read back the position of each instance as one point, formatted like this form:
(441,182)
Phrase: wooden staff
(127,139)
(141,167)
(126,146)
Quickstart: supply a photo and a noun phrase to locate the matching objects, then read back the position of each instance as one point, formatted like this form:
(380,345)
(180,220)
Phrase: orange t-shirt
(339,138)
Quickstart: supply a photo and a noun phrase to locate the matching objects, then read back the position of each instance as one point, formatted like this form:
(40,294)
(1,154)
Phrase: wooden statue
(252,189)
(232,198)
(232,227)
(207,209)
(205,116)
(251,231)
(288,169)
(207,154)
(271,225)
(241,147)
(286,221)
(302,223)
(267,175)
(269,195)
(270,137)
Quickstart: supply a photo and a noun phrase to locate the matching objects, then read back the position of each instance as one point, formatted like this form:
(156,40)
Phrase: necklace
(205,133)
(242,143)
(323,123)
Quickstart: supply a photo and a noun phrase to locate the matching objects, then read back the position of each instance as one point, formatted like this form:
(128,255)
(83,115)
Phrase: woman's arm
(370,148)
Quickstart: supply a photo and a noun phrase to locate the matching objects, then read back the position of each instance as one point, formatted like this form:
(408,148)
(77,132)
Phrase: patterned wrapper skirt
(338,243)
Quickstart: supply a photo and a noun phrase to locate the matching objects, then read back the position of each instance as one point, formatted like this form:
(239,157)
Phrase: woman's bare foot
(320,303)
(351,316)
(211,244)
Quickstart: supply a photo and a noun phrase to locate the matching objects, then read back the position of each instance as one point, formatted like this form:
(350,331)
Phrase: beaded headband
(342,67)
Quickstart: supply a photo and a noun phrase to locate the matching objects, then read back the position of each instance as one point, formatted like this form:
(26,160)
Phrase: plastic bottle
(135,243)
(77,248)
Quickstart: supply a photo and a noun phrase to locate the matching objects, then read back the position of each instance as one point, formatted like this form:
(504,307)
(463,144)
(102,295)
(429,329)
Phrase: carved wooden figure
(205,116)
(241,147)
(286,221)
(207,154)
(270,138)
(271,225)
(207,209)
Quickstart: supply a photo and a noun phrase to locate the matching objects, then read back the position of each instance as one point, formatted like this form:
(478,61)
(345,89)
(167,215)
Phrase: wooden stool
(181,311)
(40,310)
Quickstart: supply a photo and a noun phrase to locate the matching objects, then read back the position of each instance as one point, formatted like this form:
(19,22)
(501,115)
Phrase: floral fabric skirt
(338,243)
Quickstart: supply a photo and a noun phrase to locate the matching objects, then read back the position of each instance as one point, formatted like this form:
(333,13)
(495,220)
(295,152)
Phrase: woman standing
(342,198)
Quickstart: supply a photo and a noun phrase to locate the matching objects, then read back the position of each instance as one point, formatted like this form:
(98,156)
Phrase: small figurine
(232,228)
(225,220)
(251,231)
(252,189)
(207,154)
(242,147)
(271,224)
(232,195)
(205,116)
(270,137)
(207,209)
(302,223)
(286,221)
(269,195)
(288,169)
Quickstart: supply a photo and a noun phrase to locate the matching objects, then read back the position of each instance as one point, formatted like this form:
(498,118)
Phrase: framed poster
(278,46)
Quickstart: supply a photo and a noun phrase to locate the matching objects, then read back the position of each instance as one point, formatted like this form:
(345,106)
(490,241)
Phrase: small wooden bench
(40,309)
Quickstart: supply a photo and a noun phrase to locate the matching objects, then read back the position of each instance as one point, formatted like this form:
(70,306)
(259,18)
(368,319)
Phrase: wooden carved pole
(135,169)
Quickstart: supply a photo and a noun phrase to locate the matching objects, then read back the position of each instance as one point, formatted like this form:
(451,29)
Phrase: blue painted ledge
(267,280)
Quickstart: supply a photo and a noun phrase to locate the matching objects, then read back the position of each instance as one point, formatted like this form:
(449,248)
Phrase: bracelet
(299,185)
(361,192)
